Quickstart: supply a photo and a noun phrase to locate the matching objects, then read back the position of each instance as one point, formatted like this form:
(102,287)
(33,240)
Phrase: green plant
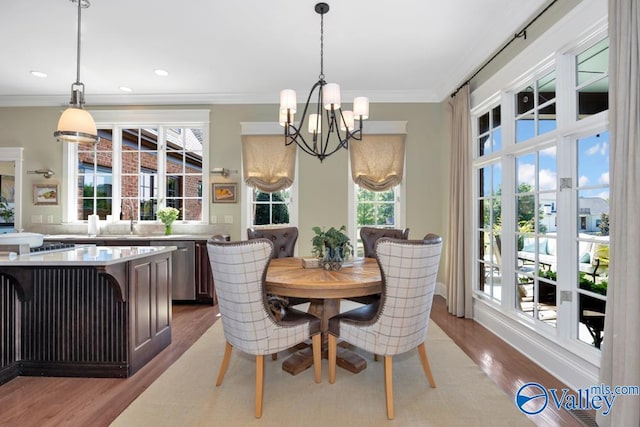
(331,238)
(586,283)
(6,212)
(168,215)
(548,274)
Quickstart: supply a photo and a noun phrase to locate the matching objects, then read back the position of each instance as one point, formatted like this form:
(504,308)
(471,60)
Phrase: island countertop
(83,256)
(124,237)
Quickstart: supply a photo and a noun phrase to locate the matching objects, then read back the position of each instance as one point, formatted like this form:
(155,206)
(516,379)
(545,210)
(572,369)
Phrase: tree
(278,209)
(604,224)
(375,208)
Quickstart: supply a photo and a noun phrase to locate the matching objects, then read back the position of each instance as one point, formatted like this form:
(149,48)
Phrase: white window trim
(134,118)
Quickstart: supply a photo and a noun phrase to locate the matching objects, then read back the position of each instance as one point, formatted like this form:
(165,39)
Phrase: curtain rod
(521,33)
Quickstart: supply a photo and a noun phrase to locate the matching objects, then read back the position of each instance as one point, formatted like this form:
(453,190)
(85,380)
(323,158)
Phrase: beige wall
(323,187)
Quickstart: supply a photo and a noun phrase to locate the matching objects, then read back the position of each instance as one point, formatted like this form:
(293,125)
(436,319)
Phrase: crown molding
(396,96)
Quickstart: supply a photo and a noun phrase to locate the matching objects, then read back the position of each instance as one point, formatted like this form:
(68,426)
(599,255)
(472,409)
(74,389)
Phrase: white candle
(92,221)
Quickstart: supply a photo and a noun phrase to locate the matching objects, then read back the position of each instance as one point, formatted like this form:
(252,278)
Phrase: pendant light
(76,124)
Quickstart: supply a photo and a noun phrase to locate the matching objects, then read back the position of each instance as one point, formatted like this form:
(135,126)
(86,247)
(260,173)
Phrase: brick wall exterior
(133,163)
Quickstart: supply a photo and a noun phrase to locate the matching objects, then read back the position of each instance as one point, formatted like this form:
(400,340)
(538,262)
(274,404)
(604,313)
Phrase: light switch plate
(228,219)
(214,219)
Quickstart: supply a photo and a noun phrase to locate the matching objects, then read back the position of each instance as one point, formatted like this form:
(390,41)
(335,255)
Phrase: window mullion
(116,167)
(162,167)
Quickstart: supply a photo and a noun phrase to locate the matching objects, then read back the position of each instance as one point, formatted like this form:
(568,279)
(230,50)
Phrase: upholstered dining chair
(398,322)
(239,270)
(284,243)
(369,237)
(284,239)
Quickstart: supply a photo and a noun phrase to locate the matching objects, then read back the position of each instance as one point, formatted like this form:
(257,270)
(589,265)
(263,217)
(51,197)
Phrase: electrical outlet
(49,219)
(228,219)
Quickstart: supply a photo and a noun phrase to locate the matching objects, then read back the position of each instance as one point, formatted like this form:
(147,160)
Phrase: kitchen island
(90,311)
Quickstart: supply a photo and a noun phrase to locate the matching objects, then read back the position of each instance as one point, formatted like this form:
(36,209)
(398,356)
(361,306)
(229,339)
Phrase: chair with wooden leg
(239,270)
(398,322)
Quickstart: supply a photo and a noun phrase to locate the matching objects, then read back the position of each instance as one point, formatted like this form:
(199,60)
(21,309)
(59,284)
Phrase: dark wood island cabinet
(89,311)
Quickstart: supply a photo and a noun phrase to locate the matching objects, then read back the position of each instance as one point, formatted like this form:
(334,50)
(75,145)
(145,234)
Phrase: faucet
(129,204)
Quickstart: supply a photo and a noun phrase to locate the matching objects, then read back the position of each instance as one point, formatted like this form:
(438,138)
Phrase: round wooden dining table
(287,277)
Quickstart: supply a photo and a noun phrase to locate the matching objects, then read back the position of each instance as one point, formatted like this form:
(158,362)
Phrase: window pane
(495,117)
(497,139)
(483,123)
(592,220)
(546,88)
(547,174)
(593,162)
(484,145)
(593,63)
(485,181)
(271,208)
(592,67)
(526,173)
(525,128)
(524,100)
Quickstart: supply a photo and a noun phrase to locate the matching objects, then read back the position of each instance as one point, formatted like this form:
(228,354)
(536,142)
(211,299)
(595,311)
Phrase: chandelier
(336,122)
(76,124)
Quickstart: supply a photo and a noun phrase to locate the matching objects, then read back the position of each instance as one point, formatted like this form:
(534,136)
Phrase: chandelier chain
(321,76)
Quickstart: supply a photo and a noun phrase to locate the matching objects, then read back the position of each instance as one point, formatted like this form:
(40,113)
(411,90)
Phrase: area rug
(186,395)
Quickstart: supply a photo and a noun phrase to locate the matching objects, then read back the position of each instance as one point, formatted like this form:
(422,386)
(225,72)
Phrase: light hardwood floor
(34,401)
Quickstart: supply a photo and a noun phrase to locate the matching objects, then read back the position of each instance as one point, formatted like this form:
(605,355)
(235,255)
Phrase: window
(489,132)
(95,189)
(536,293)
(374,209)
(592,80)
(541,184)
(489,230)
(135,170)
(270,208)
(536,108)
(592,236)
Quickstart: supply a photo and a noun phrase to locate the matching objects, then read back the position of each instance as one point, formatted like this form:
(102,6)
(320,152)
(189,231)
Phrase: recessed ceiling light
(126,89)
(163,73)
(38,74)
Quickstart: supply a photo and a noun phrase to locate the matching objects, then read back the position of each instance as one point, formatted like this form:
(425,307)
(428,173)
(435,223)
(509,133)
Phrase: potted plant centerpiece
(167,216)
(332,245)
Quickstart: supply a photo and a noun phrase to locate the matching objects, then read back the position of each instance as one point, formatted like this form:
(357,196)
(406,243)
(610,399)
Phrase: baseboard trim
(564,365)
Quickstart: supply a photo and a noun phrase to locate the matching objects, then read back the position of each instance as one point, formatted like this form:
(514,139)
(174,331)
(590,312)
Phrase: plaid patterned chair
(239,269)
(398,322)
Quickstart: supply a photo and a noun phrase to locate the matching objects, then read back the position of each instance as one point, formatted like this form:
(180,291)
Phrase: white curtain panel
(460,233)
(620,364)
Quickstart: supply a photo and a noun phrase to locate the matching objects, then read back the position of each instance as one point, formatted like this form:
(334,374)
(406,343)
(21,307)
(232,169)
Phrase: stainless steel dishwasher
(183,266)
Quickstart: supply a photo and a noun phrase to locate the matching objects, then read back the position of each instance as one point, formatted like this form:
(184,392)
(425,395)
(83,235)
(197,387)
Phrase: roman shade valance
(268,164)
(377,162)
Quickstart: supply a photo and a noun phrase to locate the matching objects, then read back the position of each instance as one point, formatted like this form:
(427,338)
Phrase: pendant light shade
(76,124)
